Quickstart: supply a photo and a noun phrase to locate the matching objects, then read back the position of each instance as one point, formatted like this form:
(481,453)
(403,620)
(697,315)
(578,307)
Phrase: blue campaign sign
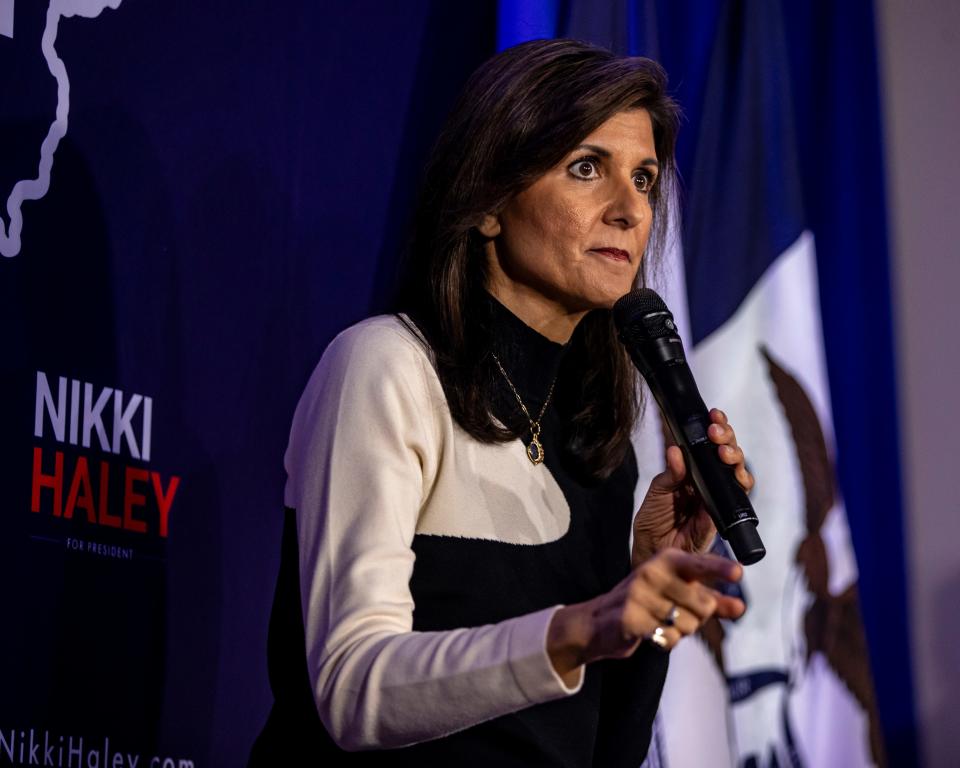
(193,201)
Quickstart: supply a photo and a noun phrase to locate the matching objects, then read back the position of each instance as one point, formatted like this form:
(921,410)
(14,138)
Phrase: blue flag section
(784,247)
(744,205)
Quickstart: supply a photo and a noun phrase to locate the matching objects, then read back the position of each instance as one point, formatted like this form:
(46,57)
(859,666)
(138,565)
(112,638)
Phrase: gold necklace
(535,449)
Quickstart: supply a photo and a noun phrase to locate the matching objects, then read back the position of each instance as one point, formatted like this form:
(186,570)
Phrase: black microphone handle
(688,419)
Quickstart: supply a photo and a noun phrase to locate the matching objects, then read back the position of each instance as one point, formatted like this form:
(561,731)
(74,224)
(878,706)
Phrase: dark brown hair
(519,115)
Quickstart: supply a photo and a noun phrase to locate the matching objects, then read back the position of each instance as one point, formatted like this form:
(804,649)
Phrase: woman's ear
(489,226)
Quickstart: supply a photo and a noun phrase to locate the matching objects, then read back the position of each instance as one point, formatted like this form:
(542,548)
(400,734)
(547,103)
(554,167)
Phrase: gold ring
(659,638)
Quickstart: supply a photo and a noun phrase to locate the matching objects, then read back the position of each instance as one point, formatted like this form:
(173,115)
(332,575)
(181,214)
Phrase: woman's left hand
(672,513)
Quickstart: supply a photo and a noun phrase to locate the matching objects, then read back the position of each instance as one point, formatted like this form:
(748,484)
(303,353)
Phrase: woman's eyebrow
(605,153)
(595,149)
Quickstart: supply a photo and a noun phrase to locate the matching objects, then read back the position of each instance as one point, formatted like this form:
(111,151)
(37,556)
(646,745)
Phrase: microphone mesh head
(635,305)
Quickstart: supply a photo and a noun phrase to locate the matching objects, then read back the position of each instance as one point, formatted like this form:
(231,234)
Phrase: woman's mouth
(613,253)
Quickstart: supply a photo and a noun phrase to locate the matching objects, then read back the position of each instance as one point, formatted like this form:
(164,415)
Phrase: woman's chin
(610,295)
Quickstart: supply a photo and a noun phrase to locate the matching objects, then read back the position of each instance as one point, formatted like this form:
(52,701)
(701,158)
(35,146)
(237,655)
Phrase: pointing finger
(706,567)
(729,607)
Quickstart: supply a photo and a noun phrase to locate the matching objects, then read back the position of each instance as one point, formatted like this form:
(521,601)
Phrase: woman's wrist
(566,643)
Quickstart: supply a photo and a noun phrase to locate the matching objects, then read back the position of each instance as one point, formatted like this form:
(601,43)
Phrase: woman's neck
(530,360)
(546,317)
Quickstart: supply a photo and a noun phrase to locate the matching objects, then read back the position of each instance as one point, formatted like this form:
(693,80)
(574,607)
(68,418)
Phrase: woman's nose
(626,206)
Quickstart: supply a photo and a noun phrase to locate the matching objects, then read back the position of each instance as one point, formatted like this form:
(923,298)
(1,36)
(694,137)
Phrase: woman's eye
(643,182)
(583,169)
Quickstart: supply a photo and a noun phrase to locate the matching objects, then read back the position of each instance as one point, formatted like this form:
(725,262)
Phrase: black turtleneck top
(490,545)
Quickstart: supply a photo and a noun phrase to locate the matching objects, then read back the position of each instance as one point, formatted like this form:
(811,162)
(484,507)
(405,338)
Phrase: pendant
(535,449)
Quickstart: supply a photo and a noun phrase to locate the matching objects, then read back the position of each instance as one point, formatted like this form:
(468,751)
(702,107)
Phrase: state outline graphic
(35,189)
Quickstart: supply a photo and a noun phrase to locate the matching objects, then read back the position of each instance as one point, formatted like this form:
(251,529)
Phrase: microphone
(650,335)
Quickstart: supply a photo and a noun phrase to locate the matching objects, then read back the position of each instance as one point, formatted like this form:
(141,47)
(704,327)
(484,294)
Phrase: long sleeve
(364,451)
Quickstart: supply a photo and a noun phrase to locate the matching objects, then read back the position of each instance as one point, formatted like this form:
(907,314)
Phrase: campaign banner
(194,199)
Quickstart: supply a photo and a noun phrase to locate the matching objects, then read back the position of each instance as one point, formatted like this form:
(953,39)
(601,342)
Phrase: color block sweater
(421,568)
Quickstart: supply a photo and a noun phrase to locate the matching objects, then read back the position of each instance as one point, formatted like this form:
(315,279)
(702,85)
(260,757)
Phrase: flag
(791,683)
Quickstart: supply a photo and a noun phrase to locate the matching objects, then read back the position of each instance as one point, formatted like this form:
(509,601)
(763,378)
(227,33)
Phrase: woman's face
(572,241)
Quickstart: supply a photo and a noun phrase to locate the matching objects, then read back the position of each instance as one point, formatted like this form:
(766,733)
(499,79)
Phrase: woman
(461,474)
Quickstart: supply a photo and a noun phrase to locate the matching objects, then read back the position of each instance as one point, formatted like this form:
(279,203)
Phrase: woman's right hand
(614,624)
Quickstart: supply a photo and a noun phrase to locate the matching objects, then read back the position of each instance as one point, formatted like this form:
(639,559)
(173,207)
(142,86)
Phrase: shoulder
(373,391)
(377,349)
(379,340)
(379,363)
